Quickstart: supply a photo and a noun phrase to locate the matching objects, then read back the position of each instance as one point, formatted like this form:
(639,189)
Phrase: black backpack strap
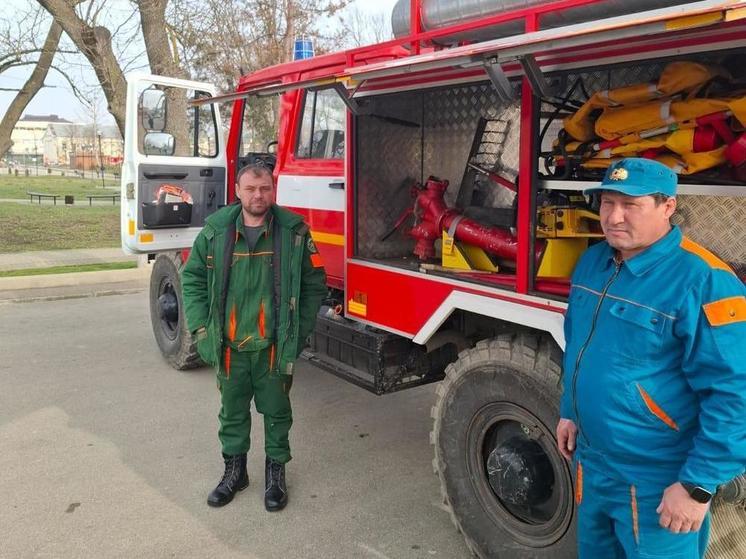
(230,244)
(276,274)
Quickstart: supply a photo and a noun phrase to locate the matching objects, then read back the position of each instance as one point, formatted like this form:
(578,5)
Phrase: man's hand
(566,433)
(678,512)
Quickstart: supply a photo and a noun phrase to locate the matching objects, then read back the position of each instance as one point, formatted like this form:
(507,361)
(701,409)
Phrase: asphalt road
(107,452)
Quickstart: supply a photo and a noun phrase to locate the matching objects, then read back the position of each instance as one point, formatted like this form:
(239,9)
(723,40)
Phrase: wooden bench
(114,198)
(41,195)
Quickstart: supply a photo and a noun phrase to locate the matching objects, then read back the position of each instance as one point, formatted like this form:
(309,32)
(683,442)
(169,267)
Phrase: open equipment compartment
(405,137)
(412,135)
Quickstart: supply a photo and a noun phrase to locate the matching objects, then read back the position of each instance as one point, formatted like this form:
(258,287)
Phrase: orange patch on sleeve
(316,261)
(261,321)
(579,484)
(726,311)
(656,410)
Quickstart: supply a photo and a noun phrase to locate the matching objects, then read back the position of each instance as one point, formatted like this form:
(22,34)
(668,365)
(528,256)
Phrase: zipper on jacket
(581,351)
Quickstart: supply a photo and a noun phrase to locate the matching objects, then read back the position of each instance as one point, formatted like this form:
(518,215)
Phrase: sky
(58,99)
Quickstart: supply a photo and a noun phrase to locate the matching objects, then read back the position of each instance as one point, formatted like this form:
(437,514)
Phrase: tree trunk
(95,44)
(30,88)
(163,63)
(157,47)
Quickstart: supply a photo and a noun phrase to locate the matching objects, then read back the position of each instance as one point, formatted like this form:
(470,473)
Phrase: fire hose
(433,216)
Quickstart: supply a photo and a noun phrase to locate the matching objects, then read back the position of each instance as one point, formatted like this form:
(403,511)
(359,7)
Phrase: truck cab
(446,200)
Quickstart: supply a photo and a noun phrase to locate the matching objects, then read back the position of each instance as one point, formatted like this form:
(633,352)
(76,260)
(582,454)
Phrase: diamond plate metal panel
(451,118)
(390,152)
(718,223)
(389,155)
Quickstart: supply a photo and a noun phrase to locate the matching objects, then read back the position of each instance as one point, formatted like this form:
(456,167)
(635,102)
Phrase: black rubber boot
(235,479)
(275,490)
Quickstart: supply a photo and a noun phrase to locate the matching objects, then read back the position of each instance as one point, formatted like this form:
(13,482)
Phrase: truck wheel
(507,488)
(167,314)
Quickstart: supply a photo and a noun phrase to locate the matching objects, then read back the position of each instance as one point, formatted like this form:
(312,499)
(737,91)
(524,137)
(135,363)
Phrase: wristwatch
(699,494)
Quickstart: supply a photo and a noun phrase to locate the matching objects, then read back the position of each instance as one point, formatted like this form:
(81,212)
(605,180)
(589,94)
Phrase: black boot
(235,479)
(275,490)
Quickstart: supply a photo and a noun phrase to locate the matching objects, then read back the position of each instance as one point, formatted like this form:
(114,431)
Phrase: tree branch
(95,44)
(82,97)
(30,88)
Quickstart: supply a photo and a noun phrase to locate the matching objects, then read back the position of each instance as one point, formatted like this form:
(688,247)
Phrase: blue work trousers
(618,521)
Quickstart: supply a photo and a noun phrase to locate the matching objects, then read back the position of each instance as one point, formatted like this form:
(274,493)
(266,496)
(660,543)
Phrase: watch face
(700,495)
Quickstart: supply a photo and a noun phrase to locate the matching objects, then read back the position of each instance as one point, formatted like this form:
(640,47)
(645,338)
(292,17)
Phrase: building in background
(82,146)
(48,140)
(28,138)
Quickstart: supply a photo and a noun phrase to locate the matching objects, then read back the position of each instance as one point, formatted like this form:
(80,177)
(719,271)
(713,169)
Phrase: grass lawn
(46,227)
(16,187)
(68,269)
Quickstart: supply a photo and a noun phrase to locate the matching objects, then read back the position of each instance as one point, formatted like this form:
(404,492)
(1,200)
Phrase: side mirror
(153,110)
(158,143)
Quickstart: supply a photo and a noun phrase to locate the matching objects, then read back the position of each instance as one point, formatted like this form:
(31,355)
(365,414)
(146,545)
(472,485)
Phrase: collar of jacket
(224,216)
(640,263)
(266,223)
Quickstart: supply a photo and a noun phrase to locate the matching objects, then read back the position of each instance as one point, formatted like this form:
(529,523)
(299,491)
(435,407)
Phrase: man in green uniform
(252,287)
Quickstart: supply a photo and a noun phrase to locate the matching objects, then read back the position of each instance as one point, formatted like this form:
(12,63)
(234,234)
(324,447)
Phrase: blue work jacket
(655,364)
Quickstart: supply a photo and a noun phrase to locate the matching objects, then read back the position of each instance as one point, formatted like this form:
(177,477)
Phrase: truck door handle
(337,185)
(177,176)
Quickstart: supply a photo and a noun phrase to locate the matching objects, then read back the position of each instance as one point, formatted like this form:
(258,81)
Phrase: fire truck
(442,174)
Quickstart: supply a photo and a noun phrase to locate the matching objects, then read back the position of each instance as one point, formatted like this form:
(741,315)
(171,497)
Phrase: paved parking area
(107,452)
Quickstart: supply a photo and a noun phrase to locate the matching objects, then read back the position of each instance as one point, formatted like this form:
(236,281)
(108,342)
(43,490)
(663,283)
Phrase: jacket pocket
(651,411)
(639,331)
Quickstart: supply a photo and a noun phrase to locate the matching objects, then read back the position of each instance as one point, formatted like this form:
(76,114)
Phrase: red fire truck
(441,174)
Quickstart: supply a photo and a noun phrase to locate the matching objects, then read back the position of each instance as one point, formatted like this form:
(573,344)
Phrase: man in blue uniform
(654,404)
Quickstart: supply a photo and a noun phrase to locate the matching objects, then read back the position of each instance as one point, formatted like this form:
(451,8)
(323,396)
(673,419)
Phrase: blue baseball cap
(635,176)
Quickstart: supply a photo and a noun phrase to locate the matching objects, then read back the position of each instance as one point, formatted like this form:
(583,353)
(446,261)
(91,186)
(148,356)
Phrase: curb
(73,279)
(63,297)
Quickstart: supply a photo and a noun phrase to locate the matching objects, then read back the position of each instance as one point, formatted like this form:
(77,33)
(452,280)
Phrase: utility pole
(36,156)
(101,160)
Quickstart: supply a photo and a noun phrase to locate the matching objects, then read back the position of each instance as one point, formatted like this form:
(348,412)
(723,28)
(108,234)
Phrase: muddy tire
(167,314)
(498,406)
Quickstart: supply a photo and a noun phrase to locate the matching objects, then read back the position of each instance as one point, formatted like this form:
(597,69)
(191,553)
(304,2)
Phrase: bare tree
(94,41)
(33,84)
(219,40)
(362,28)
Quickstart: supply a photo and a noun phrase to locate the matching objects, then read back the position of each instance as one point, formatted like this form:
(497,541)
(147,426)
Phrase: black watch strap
(699,494)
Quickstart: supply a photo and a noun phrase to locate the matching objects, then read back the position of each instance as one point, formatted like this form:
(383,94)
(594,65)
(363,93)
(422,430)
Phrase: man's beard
(256,212)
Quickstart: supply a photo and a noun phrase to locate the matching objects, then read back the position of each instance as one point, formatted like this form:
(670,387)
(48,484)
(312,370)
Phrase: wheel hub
(518,476)
(520,473)
(168,309)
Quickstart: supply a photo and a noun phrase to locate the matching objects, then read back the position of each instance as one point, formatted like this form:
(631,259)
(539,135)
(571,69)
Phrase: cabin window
(321,133)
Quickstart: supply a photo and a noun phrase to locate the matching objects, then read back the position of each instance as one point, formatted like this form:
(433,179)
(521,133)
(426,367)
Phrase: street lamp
(36,157)
(101,161)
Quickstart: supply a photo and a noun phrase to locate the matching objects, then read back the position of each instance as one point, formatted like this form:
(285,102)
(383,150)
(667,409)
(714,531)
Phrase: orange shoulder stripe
(713,261)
